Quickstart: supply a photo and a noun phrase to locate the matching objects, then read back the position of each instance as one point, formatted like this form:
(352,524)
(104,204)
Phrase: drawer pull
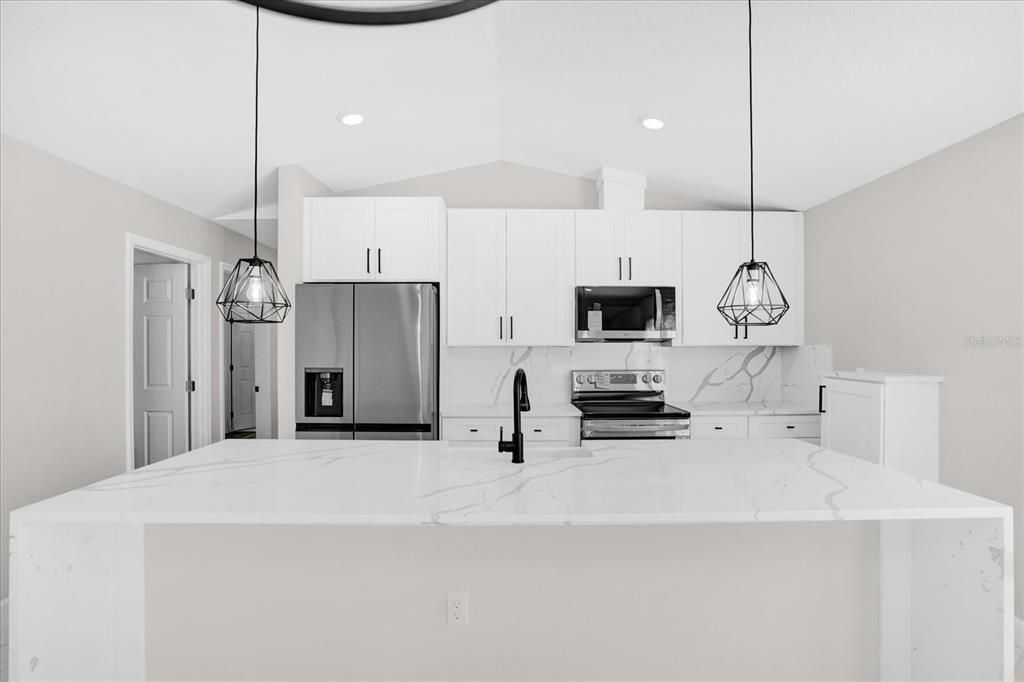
(790,426)
(718,428)
(538,430)
(474,430)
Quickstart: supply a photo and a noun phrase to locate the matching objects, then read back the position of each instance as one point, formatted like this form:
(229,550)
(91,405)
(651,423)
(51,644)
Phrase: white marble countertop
(412,483)
(746,409)
(872,377)
(481,410)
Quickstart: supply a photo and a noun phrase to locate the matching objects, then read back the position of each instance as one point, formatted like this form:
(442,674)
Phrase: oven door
(634,429)
(625,313)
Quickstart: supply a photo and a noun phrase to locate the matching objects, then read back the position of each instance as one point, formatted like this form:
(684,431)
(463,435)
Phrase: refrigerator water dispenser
(323,392)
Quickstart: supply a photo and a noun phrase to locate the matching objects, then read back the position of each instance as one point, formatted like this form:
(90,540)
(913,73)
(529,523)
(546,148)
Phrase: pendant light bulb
(752,287)
(254,291)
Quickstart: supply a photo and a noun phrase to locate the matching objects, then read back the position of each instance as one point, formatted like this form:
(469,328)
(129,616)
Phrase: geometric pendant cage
(253,293)
(753,297)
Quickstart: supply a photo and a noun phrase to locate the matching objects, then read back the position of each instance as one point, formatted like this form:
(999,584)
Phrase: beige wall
(900,271)
(502,184)
(62,310)
(724,601)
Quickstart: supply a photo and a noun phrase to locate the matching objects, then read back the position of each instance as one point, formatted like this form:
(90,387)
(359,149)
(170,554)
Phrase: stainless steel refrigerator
(366,359)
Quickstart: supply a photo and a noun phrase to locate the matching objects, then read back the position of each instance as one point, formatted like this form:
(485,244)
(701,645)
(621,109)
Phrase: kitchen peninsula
(84,594)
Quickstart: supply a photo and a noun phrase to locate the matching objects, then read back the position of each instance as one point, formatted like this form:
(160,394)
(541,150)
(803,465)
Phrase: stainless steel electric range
(626,404)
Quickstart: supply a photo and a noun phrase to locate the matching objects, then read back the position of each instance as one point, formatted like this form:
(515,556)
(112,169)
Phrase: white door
(710,257)
(264,387)
(243,377)
(852,423)
(476,278)
(540,275)
(645,248)
(779,241)
(339,239)
(408,240)
(599,252)
(160,362)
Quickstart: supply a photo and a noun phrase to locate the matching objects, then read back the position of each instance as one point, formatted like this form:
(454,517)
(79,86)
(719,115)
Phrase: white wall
(907,272)
(503,184)
(293,185)
(62,320)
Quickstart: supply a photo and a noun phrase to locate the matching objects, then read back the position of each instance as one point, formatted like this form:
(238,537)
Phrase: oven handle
(639,426)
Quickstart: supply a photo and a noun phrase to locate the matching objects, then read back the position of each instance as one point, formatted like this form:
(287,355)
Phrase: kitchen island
(81,599)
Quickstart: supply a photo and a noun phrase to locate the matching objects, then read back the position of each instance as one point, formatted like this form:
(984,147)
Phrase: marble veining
(402,483)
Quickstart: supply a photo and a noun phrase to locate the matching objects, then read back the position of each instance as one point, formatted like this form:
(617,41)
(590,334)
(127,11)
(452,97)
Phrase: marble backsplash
(767,373)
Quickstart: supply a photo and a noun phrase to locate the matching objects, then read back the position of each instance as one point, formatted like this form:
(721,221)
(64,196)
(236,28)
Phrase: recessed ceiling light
(350,119)
(652,123)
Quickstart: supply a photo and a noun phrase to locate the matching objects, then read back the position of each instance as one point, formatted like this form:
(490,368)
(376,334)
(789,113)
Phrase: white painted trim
(225,270)
(1019,639)
(200,340)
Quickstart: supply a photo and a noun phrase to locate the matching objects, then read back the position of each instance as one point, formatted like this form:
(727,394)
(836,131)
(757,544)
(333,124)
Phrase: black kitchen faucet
(520,404)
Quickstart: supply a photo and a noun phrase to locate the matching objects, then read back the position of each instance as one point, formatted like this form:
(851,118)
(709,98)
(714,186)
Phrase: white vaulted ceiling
(158,95)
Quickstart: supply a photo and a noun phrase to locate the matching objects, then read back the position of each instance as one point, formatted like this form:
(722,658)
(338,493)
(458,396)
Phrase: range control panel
(617,380)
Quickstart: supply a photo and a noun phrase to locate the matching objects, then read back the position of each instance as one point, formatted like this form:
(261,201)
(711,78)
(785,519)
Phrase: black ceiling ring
(428,11)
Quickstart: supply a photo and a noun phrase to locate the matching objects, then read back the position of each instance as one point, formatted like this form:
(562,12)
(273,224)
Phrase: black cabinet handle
(790,426)
(620,268)
(378,262)
(367,259)
(501,327)
(538,430)
(718,428)
(473,430)
(821,399)
(630,259)
(511,328)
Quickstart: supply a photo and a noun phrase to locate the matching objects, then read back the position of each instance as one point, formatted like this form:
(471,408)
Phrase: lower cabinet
(802,427)
(552,430)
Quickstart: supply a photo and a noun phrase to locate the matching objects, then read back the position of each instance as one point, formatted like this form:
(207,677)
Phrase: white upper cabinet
(476,278)
(510,278)
(714,244)
(627,248)
(373,239)
(539,276)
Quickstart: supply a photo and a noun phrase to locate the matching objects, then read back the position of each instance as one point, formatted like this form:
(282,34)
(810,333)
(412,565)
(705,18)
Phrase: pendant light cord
(750,96)
(256,143)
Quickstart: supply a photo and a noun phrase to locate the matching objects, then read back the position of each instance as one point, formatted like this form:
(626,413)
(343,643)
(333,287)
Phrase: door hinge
(190,386)
(231,368)
(190,294)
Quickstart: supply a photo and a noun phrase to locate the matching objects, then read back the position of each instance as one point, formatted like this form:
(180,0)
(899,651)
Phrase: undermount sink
(530,452)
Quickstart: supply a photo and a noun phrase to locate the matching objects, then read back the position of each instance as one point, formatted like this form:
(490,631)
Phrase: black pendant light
(753,297)
(253,292)
(385,14)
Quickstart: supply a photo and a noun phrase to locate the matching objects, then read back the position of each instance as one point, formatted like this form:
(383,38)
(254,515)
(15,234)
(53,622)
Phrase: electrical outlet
(458,608)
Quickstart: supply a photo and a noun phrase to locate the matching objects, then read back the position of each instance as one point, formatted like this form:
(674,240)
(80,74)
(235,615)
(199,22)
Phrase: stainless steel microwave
(625,313)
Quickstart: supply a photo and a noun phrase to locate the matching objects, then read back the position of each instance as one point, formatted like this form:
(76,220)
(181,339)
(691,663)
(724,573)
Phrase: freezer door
(396,361)
(324,342)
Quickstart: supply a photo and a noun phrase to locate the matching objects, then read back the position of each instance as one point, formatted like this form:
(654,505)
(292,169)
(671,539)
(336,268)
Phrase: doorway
(247,377)
(168,351)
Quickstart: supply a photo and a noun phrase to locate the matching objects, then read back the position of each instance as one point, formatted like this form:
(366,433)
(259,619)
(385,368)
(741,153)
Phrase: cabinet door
(476,278)
(852,423)
(338,239)
(646,247)
(711,246)
(779,241)
(540,278)
(599,253)
(408,243)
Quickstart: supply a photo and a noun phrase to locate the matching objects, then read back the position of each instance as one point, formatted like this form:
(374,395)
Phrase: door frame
(200,339)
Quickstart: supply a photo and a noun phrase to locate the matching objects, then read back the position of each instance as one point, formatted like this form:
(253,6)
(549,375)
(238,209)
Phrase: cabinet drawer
(473,429)
(718,427)
(553,429)
(807,426)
